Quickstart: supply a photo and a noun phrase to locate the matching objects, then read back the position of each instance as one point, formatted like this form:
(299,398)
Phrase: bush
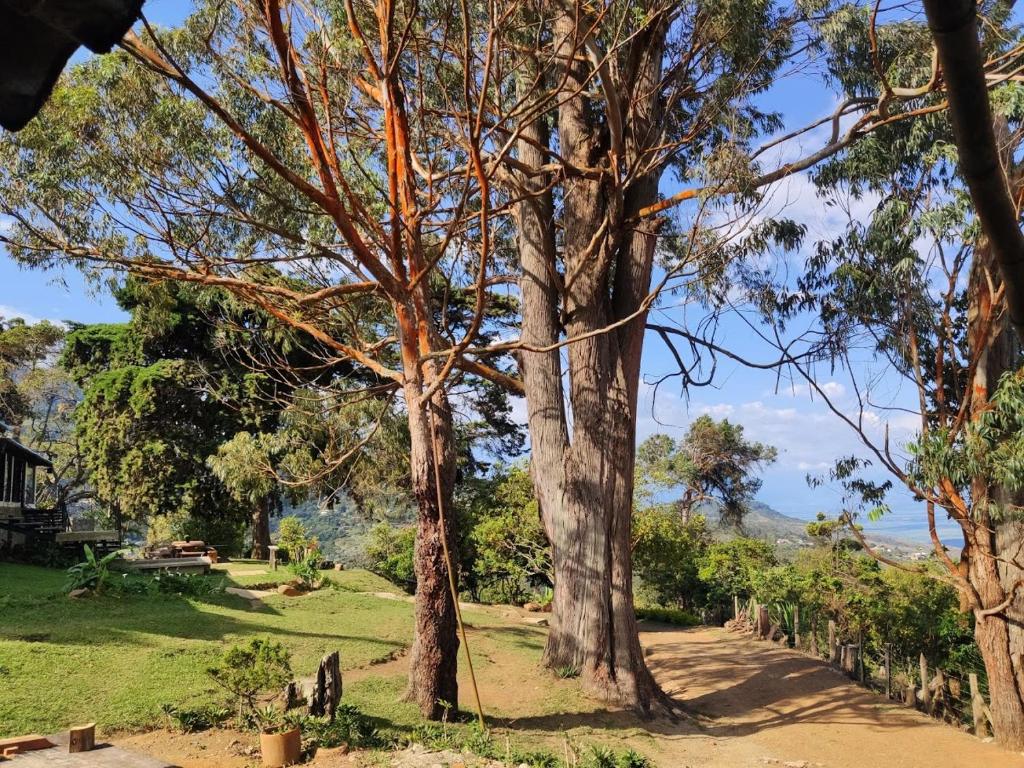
(350,726)
(668,616)
(191,720)
(390,552)
(292,537)
(247,671)
(93,573)
(307,569)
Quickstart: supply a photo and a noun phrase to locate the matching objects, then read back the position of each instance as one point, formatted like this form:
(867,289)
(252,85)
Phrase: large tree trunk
(261,529)
(433,659)
(585,485)
(1000,636)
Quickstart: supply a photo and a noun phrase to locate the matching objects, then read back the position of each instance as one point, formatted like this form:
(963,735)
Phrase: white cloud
(8,312)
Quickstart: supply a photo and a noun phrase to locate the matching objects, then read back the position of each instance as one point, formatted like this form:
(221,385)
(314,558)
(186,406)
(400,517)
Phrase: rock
(797,764)
(339,566)
(533,607)
(547,608)
(540,622)
(288,590)
(76,594)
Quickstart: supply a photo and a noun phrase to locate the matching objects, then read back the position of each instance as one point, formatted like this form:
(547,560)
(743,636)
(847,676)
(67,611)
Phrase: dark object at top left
(37,37)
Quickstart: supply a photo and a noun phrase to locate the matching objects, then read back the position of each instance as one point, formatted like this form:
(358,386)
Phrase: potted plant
(280,741)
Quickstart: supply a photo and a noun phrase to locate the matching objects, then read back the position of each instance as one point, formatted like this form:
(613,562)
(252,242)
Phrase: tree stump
(326,693)
(82,738)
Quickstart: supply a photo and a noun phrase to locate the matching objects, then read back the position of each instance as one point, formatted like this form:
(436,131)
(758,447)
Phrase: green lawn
(116,660)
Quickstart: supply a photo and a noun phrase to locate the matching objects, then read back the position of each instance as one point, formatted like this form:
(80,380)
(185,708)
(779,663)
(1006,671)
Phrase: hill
(789,534)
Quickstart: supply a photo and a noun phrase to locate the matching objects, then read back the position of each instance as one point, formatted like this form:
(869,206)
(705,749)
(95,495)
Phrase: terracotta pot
(281,749)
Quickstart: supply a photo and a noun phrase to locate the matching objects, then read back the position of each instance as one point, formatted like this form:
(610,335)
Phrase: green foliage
(292,537)
(246,671)
(307,569)
(92,573)
(349,727)
(504,552)
(194,719)
(666,553)
(390,552)
(713,461)
(674,616)
(731,567)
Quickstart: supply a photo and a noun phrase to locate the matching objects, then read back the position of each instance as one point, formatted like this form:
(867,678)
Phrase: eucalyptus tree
(305,138)
(917,287)
(649,93)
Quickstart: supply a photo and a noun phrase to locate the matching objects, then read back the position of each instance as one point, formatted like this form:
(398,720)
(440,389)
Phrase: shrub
(247,671)
(390,552)
(307,569)
(668,616)
(292,537)
(92,573)
(191,720)
(350,726)
(187,584)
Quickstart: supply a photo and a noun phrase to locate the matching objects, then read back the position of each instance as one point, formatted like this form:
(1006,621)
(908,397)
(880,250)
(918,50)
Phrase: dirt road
(761,705)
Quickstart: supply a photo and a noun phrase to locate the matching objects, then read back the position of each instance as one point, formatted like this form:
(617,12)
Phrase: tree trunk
(433,659)
(1000,636)
(261,529)
(585,485)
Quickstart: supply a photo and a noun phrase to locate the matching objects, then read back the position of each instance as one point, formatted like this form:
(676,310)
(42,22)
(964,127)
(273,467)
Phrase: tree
(713,462)
(293,157)
(648,90)
(37,402)
(917,286)
(667,551)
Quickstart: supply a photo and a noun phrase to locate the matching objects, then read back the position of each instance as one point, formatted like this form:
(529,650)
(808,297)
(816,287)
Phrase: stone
(339,566)
(76,594)
(533,607)
(540,622)
(797,764)
(289,590)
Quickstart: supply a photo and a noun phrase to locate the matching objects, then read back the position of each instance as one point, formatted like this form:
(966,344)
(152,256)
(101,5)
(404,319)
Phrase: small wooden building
(21,471)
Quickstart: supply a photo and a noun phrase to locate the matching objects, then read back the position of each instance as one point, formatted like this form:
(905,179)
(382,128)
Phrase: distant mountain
(789,534)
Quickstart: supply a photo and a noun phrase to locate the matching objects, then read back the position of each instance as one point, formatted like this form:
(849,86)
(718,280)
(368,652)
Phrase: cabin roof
(10,445)
(37,39)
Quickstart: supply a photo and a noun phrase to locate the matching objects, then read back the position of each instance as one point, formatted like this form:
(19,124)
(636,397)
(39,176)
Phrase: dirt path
(760,704)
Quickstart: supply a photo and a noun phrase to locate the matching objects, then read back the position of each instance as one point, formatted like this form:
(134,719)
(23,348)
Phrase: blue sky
(780,413)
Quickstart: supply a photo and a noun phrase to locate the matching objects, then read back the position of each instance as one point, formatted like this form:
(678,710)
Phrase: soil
(748,704)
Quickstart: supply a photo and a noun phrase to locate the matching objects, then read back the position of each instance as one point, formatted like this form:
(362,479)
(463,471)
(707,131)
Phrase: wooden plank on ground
(25,743)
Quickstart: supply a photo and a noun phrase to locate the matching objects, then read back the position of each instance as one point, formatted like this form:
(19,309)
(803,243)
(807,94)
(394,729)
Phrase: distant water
(911,525)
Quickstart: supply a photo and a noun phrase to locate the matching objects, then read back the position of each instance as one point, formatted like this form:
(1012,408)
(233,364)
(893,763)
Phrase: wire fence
(956,697)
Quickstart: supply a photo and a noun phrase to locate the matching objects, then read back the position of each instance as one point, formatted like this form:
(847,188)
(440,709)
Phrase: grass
(116,660)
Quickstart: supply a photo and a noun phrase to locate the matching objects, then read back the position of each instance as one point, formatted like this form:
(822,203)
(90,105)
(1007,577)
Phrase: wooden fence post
(888,670)
(814,636)
(860,655)
(911,696)
(796,626)
(978,708)
(736,607)
(833,648)
(925,695)
(763,622)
